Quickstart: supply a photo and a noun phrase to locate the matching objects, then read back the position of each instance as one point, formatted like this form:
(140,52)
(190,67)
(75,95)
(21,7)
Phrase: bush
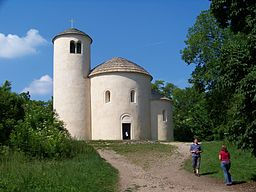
(41,134)
(11,110)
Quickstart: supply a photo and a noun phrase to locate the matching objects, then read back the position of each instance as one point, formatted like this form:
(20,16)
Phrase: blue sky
(150,33)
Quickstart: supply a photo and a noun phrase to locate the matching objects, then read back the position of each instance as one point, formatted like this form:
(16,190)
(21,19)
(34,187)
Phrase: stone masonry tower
(71,88)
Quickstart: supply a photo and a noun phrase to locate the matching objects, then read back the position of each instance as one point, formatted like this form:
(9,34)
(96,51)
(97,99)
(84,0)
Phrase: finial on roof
(72,22)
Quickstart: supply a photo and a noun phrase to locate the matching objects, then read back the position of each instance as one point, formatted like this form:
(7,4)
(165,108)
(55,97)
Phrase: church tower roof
(118,64)
(72,31)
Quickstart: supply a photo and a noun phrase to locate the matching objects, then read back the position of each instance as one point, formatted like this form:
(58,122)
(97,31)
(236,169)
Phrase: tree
(31,126)
(11,110)
(203,49)
(237,14)
(190,115)
(163,88)
(41,133)
(240,59)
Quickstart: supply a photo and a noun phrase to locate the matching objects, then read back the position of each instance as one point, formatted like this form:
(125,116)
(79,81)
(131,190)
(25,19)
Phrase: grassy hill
(85,172)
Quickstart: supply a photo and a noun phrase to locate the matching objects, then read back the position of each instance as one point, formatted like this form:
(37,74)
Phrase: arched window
(78,47)
(72,47)
(132,96)
(164,115)
(107,96)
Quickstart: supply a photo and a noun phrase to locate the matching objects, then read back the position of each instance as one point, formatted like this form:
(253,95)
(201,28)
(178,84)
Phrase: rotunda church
(112,101)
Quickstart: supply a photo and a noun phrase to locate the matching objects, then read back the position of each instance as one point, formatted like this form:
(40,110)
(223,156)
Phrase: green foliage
(11,110)
(239,69)
(31,126)
(190,115)
(87,171)
(203,48)
(163,88)
(224,60)
(40,133)
(239,15)
(243,163)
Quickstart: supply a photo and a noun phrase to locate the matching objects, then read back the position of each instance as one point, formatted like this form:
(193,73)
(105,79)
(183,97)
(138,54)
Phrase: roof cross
(72,22)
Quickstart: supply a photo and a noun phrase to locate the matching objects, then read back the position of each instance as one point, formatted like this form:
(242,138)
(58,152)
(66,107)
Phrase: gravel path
(166,174)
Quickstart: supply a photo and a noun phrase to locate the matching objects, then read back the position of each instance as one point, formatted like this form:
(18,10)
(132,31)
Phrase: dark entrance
(126,130)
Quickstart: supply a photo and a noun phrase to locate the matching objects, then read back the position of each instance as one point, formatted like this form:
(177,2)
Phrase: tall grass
(243,164)
(86,171)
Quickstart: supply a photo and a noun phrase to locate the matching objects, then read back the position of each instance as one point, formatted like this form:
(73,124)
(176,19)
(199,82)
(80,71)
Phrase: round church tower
(120,101)
(71,88)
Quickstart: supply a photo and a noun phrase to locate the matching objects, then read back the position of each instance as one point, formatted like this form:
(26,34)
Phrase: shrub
(41,134)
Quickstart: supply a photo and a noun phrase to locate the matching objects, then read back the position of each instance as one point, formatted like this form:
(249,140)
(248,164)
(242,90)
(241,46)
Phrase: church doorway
(126,127)
(126,130)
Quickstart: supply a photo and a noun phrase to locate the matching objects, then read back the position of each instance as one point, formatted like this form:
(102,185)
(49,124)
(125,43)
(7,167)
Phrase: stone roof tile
(72,31)
(118,64)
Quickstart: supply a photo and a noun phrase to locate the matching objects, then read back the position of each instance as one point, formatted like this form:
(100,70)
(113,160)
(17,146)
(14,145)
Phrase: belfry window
(78,47)
(132,96)
(72,47)
(164,115)
(107,96)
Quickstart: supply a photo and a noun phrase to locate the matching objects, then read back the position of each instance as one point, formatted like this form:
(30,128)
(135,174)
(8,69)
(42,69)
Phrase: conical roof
(72,31)
(118,64)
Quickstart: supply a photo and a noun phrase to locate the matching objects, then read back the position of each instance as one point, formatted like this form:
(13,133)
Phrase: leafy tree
(239,73)
(41,133)
(11,110)
(163,88)
(239,15)
(203,49)
(190,115)
(31,126)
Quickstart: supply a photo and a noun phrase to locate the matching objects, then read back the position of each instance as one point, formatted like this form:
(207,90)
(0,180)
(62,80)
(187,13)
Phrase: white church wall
(71,89)
(161,127)
(106,118)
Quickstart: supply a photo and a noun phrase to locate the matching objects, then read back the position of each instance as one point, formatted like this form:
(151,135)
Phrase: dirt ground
(165,174)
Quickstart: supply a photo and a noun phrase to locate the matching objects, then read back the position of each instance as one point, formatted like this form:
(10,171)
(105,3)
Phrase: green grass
(243,164)
(143,153)
(85,172)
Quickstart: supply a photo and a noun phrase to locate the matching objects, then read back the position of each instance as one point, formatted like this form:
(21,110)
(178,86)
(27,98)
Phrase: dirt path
(166,174)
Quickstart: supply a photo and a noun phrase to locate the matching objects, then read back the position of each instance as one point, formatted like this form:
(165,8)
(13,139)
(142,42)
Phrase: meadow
(243,164)
(86,171)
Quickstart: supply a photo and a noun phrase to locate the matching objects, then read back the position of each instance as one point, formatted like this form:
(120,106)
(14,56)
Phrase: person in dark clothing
(196,151)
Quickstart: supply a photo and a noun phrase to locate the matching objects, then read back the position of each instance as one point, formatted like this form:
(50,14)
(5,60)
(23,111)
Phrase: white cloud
(42,86)
(12,46)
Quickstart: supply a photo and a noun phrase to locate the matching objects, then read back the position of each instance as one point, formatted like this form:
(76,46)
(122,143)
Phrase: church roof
(72,31)
(157,96)
(118,64)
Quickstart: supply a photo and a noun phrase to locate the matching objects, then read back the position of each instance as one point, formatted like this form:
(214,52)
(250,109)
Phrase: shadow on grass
(209,173)
(253,177)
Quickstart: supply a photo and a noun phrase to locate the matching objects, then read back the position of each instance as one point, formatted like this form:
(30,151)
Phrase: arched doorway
(126,127)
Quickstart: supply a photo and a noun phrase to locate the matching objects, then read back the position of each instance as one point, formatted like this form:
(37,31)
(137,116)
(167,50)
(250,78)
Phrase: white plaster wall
(161,130)
(106,117)
(71,87)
